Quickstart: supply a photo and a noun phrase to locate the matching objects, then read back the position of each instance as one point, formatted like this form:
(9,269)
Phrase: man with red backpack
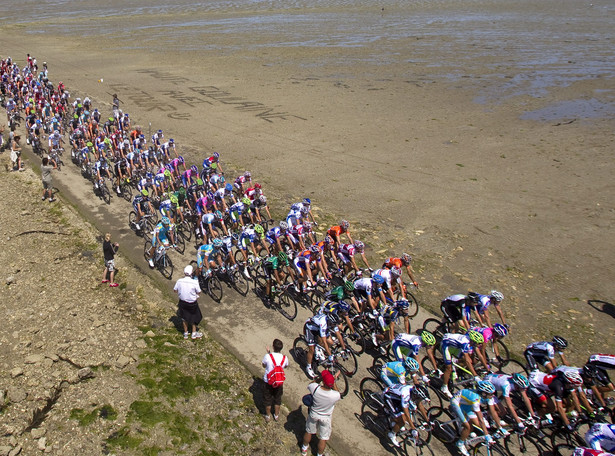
(274,364)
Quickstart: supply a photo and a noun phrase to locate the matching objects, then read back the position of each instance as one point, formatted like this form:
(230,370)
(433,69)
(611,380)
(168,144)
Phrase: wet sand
(481,198)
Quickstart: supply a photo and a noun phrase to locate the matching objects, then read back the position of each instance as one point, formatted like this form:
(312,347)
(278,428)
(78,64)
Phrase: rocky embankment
(89,369)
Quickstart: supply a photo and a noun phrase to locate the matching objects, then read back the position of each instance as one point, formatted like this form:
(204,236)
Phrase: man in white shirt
(325,396)
(188,290)
(273,395)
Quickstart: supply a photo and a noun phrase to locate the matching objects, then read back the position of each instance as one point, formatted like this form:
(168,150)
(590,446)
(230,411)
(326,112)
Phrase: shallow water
(524,48)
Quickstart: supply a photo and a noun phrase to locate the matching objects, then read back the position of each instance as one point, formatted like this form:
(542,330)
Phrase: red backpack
(276,376)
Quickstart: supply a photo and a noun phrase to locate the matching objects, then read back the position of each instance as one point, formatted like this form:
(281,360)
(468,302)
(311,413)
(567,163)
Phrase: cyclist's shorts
(200,259)
(272,262)
(402,351)
(344,259)
(463,412)
(163,239)
(208,219)
(310,336)
(299,264)
(245,242)
(451,311)
(449,353)
(536,358)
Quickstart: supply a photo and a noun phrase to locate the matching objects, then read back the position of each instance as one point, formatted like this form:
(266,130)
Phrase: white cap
(188,270)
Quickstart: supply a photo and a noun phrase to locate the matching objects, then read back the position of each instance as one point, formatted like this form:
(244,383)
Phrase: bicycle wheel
(260,284)
(180,243)
(214,287)
(317,297)
(239,258)
(418,448)
(146,248)
(445,427)
(369,387)
(240,283)
(513,367)
(132,220)
(520,444)
(347,361)
(434,326)
(287,306)
(563,436)
(435,400)
(126,191)
(354,341)
(342,383)
(563,449)
(489,450)
(104,193)
(186,230)
(300,352)
(166,266)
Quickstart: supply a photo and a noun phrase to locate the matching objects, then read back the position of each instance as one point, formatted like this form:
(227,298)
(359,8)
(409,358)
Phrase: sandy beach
(420,156)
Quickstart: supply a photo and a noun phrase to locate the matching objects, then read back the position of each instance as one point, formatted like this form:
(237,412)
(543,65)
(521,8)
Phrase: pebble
(37,433)
(10,280)
(123,361)
(34,359)
(150,333)
(16,372)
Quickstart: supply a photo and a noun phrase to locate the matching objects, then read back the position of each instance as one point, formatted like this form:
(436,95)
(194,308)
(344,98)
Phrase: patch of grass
(106,412)
(208,452)
(151,451)
(183,428)
(149,413)
(123,439)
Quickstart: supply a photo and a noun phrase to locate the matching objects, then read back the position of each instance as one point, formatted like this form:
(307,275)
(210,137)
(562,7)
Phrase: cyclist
(248,238)
(454,308)
(141,204)
(455,346)
(368,290)
(316,330)
(580,451)
(399,405)
(162,233)
(504,384)
(543,353)
(306,263)
(395,372)
(601,362)
(407,346)
(337,316)
(545,389)
(385,327)
(401,262)
(343,293)
(466,405)
(489,334)
(271,267)
(482,307)
(205,256)
(346,253)
(336,231)
(601,436)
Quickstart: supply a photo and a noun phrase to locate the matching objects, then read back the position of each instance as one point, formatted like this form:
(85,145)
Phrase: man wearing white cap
(188,290)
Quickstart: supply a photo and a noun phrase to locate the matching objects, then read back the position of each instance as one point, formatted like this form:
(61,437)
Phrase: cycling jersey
(247,237)
(601,436)
(602,360)
(365,286)
(452,307)
(579,451)
(405,344)
(466,404)
(335,231)
(393,373)
(337,294)
(486,332)
(542,384)
(539,353)
(503,383)
(316,326)
(397,398)
(389,263)
(453,345)
(204,253)
(161,232)
(484,301)
(273,234)
(387,276)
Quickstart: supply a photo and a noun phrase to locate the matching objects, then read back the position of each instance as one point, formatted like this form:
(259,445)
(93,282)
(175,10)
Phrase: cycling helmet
(263,199)
(348,285)
(500,330)
(345,224)
(398,370)
(359,246)
(182,191)
(173,199)
(165,221)
(377,278)
(282,256)
(283,225)
(496,296)
(411,365)
(485,387)
(167,173)
(222,180)
(476,337)
(247,175)
(228,187)
(406,258)
(214,166)
(259,228)
(194,169)
(216,155)
(428,338)
(520,380)
(307,201)
(395,271)
(560,342)
(159,132)
(307,225)
(328,240)
(206,163)
(257,185)
(144,192)
(419,393)
(343,307)
(573,378)
(217,243)
(314,249)
(246,200)
(180,159)
(472,296)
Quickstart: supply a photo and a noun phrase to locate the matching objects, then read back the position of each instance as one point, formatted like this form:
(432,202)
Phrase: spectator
(272,394)
(109,251)
(188,290)
(318,421)
(16,153)
(48,183)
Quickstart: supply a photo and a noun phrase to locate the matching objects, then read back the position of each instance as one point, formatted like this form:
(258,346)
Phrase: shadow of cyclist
(602,306)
